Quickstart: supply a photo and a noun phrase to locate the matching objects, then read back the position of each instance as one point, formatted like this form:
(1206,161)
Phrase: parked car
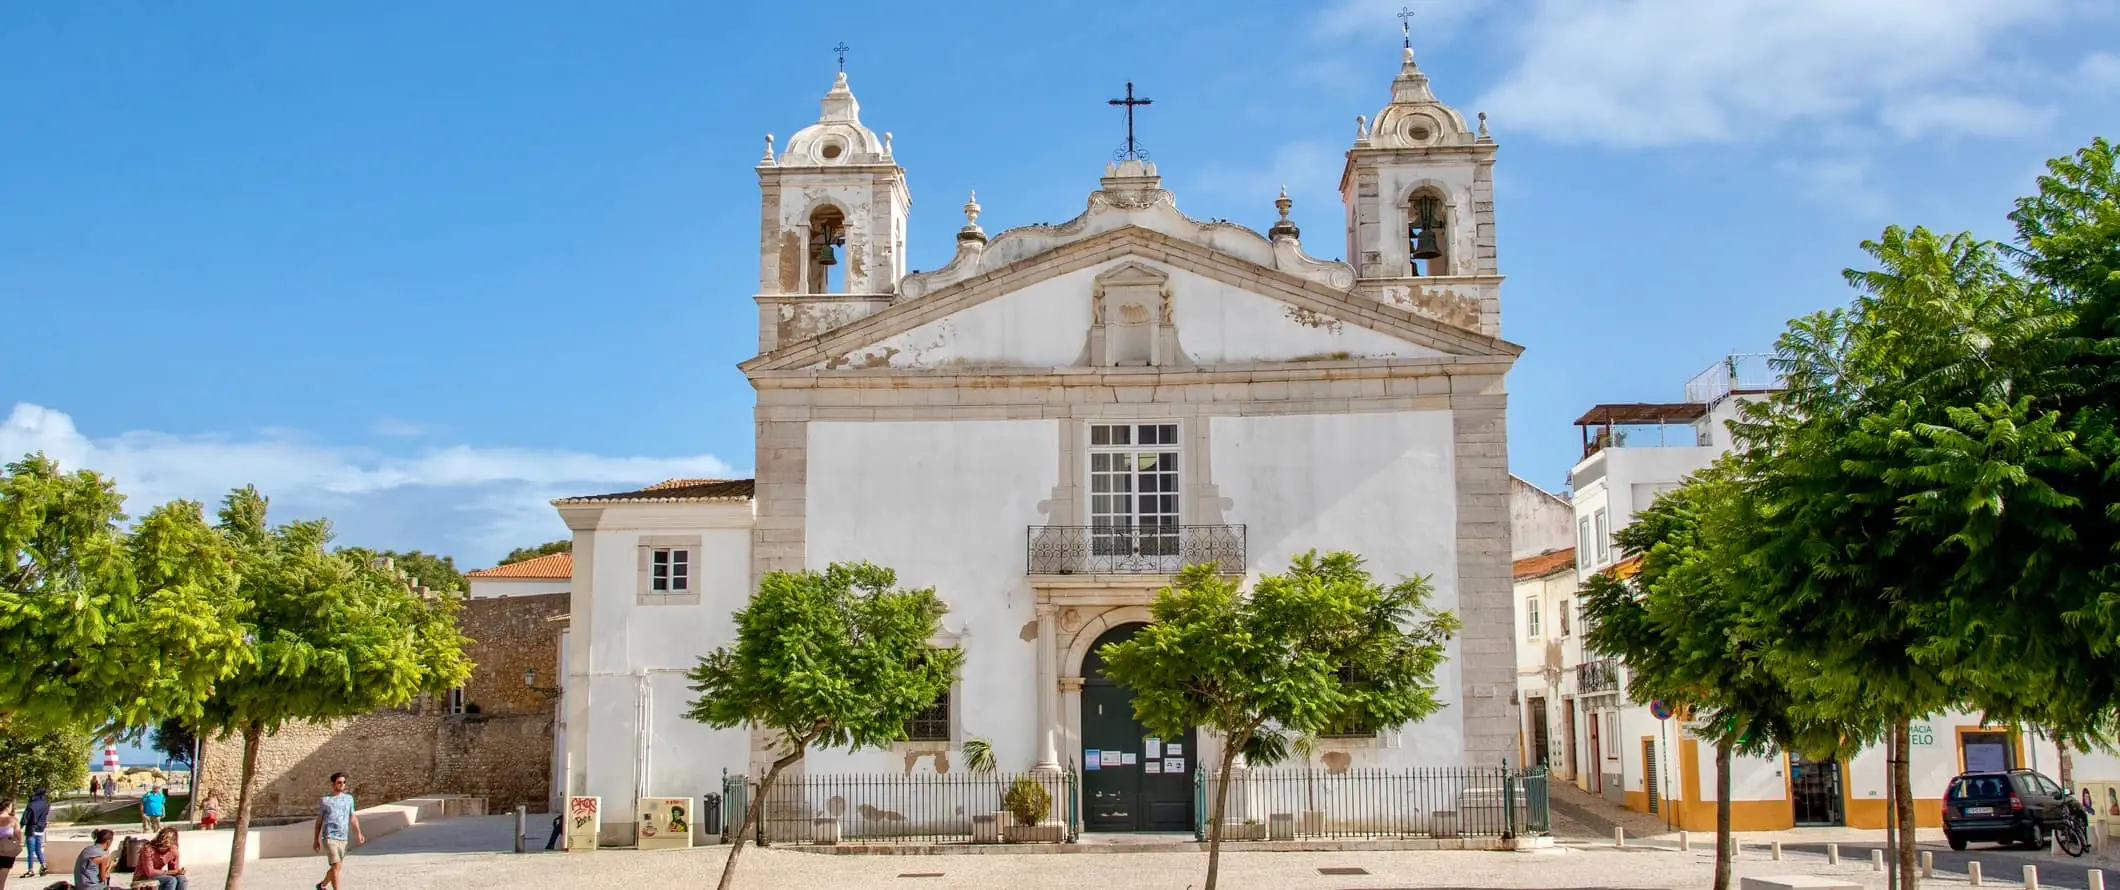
(2005,807)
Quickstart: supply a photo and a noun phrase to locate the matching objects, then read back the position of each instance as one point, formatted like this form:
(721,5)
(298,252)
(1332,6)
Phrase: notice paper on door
(1112,758)
(1152,747)
(1174,750)
(1129,759)
(1090,760)
(1173,764)
(1152,766)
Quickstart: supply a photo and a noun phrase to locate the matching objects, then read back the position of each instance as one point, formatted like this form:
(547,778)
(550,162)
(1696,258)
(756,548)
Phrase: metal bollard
(1877,860)
(2096,877)
(1774,850)
(522,813)
(1928,864)
(1972,873)
(1832,854)
(2031,877)
(1685,844)
(1619,835)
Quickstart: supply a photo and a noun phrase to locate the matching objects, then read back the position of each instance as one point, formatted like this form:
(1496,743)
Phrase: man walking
(152,805)
(335,823)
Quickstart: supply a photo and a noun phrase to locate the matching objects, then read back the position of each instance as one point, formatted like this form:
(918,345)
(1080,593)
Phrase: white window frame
(1531,616)
(659,561)
(1125,469)
(453,701)
(1604,536)
(1585,550)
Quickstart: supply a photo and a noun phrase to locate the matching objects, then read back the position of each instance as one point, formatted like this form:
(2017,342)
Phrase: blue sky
(421,267)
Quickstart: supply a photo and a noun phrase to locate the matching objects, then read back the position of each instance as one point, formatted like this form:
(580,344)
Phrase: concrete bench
(1795,882)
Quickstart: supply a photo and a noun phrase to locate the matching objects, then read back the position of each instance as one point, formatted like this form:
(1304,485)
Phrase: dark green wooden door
(1139,795)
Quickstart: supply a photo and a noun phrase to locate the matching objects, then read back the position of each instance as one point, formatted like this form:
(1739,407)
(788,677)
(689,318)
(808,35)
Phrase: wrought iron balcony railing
(1131,549)
(1593,677)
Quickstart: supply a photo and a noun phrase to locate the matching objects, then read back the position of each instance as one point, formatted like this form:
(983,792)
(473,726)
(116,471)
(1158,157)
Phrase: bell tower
(833,207)
(1419,189)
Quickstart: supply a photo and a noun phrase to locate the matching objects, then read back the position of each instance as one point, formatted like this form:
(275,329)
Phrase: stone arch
(1076,649)
(1453,222)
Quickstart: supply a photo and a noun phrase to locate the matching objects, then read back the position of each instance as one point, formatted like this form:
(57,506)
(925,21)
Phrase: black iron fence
(1131,549)
(1284,803)
(1592,677)
(918,809)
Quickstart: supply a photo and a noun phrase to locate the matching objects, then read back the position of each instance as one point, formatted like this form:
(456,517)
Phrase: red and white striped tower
(110,758)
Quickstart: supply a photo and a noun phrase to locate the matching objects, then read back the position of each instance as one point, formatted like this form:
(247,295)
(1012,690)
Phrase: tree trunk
(1214,818)
(753,814)
(1723,840)
(1903,790)
(2066,767)
(253,738)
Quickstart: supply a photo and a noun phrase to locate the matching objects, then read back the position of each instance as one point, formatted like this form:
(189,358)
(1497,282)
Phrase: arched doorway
(1129,790)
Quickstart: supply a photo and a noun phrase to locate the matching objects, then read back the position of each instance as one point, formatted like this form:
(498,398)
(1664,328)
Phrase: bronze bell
(824,254)
(1425,245)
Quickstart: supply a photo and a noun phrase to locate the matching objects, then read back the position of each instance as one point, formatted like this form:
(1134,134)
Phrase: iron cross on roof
(841,49)
(1132,149)
(1406,27)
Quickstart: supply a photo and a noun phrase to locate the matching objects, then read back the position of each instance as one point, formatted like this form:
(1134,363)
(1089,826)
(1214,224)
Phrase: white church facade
(1045,429)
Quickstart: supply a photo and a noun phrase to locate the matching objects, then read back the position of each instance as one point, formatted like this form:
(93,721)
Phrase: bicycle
(2073,834)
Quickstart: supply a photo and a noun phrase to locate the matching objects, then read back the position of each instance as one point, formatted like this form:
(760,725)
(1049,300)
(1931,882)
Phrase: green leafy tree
(1683,628)
(836,659)
(1319,646)
(436,573)
(100,628)
(42,758)
(329,636)
(521,554)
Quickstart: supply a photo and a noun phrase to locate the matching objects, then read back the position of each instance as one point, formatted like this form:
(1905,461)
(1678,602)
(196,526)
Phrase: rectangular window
(1351,727)
(1604,538)
(1133,484)
(1531,618)
(454,704)
(930,724)
(1583,550)
(670,570)
(1561,615)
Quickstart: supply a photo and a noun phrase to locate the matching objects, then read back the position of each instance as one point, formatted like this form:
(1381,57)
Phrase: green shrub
(1028,801)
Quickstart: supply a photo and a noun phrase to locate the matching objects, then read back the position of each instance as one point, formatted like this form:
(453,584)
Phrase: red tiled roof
(670,490)
(551,567)
(1550,562)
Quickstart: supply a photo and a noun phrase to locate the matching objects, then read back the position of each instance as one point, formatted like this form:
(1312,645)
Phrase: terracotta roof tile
(1550,562)
(552,566)
(674,490)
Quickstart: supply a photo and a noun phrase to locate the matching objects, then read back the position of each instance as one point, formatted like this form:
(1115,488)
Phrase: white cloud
(397,427)
(2099,72)
(1301,166)
(1937,114)
(472,503)
(1637,73)
(1838,182)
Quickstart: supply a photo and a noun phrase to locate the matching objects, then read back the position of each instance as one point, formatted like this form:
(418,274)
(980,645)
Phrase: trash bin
(710,815)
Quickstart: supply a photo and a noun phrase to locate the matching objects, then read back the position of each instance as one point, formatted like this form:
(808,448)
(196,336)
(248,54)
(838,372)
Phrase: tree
(436,573)
(520,554)
(1321,645)
(836,659)
(174,741)
(99,628)
(329,636)
(1684,631)
(41,758)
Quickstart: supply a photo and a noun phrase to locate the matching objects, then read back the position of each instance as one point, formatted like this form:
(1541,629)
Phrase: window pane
(1100,435)
(661,558)
(1100,462)
(680,557)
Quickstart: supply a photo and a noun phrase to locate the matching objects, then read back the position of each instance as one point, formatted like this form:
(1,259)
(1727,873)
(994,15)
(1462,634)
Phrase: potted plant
(1029,803)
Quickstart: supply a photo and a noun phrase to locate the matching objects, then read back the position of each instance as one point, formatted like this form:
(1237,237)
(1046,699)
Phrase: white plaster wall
(1751,778)
(1387,492)
(2094,766)
(946,504)
(1046,324)
(482,588)
(636,653)
(1539,521)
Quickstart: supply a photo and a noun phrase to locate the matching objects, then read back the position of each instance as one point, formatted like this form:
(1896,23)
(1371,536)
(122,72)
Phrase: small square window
(670,571)
(930,724)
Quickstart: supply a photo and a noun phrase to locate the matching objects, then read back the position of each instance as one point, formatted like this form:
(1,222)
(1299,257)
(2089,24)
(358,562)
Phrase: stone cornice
(1145,244)
(1006,378)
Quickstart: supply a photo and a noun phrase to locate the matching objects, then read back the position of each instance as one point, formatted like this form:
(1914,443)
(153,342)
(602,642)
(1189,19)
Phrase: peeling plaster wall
(1541,522)
(1389,493)
(946,505)
(1047,325)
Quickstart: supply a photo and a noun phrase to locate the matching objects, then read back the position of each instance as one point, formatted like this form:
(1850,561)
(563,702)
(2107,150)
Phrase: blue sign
(1092,760)
(1659,710)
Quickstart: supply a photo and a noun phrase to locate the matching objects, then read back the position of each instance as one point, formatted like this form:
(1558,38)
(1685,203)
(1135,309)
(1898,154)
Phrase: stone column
(1048,690)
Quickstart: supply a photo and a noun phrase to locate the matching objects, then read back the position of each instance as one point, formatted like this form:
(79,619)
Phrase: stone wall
(502,753)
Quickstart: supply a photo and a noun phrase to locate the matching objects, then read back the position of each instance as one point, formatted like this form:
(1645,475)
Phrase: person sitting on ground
(92,867)
(159,860)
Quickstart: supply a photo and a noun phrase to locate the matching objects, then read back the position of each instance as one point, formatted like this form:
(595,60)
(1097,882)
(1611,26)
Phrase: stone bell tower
(833,207)
(1419,190)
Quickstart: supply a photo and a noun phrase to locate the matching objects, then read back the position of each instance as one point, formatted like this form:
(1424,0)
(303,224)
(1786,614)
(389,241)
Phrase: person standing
(92,867)
(335,825)
(159,860)
(10,839)
(153,805)
(35,818)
